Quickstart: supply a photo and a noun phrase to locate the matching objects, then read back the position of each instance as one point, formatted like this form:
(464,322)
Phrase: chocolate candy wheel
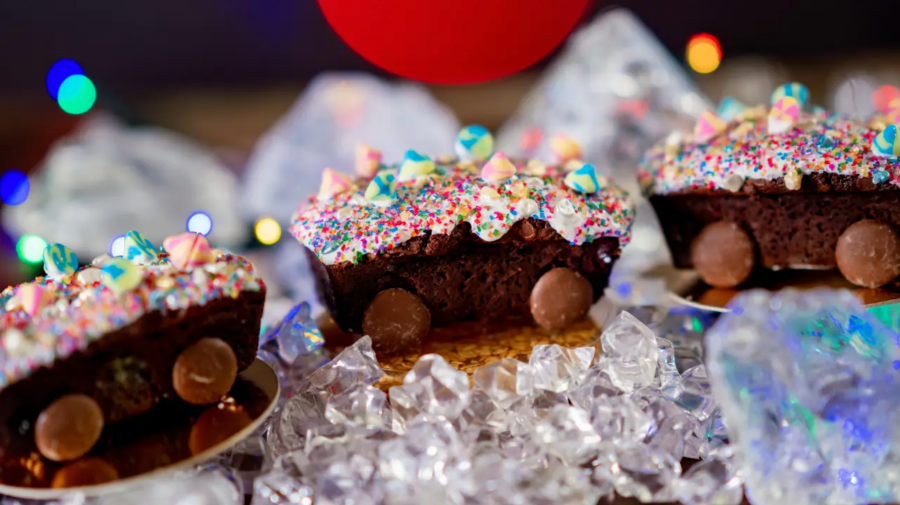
(205,371)
(868,253)
(396,320)
(723,254)
(560,297)
(68,428)
(84,472)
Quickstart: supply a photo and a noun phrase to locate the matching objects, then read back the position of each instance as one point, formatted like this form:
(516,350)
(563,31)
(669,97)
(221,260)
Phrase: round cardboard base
(171,437)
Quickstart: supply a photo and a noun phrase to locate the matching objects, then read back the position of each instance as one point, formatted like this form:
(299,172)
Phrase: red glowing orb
(453,41)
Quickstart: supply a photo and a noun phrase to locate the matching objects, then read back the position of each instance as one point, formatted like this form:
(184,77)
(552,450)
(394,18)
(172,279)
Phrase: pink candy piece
(333,183)
(498,168)
(188,250)
(708,127)
(367,161)
(33,298)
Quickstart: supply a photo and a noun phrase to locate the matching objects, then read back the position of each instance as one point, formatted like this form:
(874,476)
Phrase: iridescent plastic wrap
(808,382)
(107,179)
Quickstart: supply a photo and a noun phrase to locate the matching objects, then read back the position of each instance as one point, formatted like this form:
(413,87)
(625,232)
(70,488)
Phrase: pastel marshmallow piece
(333,184)
(59,261)
(368,159)
(564,148)
(498,169)
(139,250)
(188,250)
(33,297)
(383,189)
(474,143)
(584,180)
(415,165)
(708,127)
(121,275)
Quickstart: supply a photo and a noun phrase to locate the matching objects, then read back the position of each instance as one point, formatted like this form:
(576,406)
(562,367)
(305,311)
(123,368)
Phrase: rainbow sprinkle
(818,143)
(81,313)
(348,227)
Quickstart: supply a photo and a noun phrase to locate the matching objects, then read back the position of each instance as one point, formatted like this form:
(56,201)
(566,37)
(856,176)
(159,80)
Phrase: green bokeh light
(30,248)
(77,94)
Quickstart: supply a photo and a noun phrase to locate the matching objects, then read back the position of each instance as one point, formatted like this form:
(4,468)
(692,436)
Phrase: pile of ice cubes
(570,426)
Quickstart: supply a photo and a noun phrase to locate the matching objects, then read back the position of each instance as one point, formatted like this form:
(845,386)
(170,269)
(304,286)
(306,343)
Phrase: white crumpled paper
(336,112)
(616,91)
(107,179)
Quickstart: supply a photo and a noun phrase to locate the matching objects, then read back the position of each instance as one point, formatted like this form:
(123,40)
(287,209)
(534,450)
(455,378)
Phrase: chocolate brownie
(790,180)
(469,238)
(111,336)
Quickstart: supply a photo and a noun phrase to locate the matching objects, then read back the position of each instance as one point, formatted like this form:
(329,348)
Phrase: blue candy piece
(474,143)
(730,107)
(795,90)
(880,176)
(59,261)
(138,249)
(885,143)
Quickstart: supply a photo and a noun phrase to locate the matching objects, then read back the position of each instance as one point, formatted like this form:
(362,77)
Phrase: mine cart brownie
(85,347)
(790,186)
(400,249)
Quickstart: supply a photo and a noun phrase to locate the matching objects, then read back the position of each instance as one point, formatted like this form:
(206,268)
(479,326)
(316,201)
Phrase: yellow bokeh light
(268,231)
(704,54)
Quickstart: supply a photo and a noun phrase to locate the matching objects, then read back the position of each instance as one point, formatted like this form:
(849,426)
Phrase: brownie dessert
(790,186)
(85,347)
(400,249)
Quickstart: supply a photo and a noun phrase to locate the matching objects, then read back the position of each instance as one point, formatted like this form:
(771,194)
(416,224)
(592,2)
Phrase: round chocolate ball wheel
(84,472)
(216,425)
(68,428)
(396,320)
(560,298)
(723,254)
(205,371)
(868,253)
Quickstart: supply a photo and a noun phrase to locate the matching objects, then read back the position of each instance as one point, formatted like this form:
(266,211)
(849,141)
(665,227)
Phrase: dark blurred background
(146,46)
(223,71)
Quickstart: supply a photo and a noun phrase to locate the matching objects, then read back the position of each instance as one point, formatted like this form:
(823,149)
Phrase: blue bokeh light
(117,246)
(14,187)
(59,72)
(199,222)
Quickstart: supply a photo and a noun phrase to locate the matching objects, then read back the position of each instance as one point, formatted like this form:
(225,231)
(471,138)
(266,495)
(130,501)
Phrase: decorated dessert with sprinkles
(788,186)
(81,348)
(400,249)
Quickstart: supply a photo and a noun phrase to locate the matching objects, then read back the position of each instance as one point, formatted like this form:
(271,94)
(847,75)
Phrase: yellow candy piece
(414,165)
(121,275)
(383,189)
(584,180)
(188,250)
(564,148)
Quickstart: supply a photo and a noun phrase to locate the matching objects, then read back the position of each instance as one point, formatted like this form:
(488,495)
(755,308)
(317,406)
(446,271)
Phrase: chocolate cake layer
(129,370)
(461,277)
(798,228)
